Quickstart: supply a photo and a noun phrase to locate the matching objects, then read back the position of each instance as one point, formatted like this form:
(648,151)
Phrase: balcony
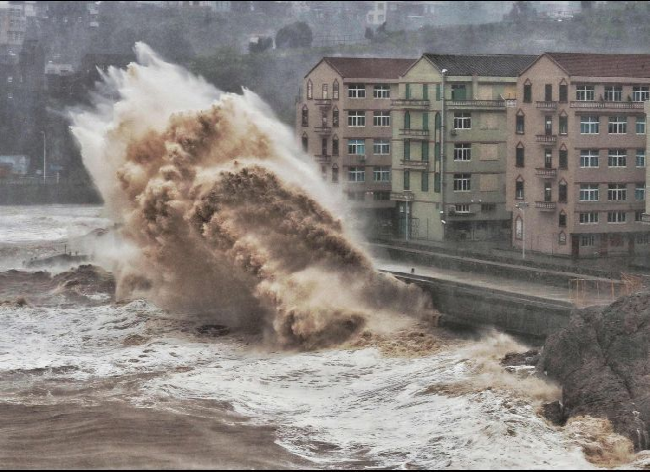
(414,132)
(546,206)
(323,159)
(546,138)
(323,102)
(546,173)
(417,165)
(405,196)
(608,105)
(323,130)
(478,104)
(409,103)
(645,218)
(547,105)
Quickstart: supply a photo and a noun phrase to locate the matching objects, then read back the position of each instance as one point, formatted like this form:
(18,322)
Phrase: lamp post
(443,129)
(44,158)
(521,206)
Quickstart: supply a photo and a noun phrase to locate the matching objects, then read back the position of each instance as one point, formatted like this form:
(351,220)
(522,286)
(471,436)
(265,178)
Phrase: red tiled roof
(604,65)
(369,67)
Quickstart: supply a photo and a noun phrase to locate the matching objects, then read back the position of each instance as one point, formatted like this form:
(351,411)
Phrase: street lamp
(521,206)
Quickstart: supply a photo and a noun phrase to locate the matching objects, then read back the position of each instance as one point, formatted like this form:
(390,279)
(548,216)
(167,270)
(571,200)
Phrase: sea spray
(227,215)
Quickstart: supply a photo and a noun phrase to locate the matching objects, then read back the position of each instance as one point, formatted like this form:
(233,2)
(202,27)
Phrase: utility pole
(44,158)
(443,129)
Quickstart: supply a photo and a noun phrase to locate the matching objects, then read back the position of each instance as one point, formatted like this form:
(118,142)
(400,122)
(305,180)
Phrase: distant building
(13,25)
(14,165)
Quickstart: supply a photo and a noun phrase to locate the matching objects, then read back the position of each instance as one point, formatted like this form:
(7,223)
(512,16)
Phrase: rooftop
(488,65)
(369,67)
(603,65)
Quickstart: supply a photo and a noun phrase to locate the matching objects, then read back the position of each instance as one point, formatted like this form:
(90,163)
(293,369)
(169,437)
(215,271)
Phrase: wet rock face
(602,361)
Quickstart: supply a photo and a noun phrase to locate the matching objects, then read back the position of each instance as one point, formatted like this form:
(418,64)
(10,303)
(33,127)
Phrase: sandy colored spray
(227,215)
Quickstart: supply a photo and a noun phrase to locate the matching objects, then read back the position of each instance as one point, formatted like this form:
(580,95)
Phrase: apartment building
(453,107)
(577,155)
(344,122)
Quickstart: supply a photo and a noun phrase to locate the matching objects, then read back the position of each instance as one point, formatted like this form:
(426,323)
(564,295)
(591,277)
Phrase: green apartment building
(449,146)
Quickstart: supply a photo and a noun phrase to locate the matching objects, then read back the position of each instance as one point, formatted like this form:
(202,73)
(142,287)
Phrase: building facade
(449,146)
(577,155)
(344,122)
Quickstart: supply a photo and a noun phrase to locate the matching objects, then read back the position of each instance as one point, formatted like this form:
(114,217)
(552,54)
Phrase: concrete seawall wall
(35,194)
(477,306)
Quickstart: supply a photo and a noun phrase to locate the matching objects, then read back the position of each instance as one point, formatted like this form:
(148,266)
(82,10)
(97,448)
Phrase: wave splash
(223,214)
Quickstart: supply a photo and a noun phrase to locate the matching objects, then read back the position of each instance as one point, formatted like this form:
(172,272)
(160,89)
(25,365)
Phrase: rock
(213,330)
(602,361)
(553,412)
(515,359)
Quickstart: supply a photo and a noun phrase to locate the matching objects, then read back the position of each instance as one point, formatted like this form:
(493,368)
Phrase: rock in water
(602,361)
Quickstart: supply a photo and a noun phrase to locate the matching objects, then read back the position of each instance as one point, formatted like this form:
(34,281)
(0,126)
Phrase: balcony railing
(546,206)
(610,105)
(547,105)
(323,129)
(476,104)
(546,138)
(409,103)
(414,132)
(405,196)
(323,102)
(411,164)
(546,172)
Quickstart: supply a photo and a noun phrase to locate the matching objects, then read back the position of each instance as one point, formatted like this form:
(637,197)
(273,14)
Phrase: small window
(335,91)
(310,90)
(519,160)
(305,116)
(562,220)
(613,93)
(639,192)
(585,93)
(589,218)
(407,180)
(588,240)
(335,146)
(381,91)
(356,91)
(640,125)
(617,158)
(617,125)
(528,93)
(641,93)
(381,146)
(462,120)
(520,124)
(519,190)
(562,195)
(564,125)
(381,118)
(381,174)
(589,158)
(356,119)
(305,143)
(640,157)
(335,118)
(357,147)
(462,182)
(616,217)
(463,152)
(335,174)
(589,124)
(564,159)
(589,192)
(564,93)
(617,192)
(356,174)
(425,181)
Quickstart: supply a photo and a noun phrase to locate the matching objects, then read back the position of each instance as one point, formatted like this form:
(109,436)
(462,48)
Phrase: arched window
(335,90)
(519,188)
(305,116)
(520,155)
(305,142)
(528,91)
(335,145)
(561,238)
(562,191)
(310,90)
(407,120)
(564,91)
(562,219)
(564,157)
(519,129)
(335,173)
(335,117)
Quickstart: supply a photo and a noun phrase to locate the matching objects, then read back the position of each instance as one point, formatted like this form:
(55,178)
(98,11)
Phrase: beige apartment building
(344,121)
(576,168)
(449,146)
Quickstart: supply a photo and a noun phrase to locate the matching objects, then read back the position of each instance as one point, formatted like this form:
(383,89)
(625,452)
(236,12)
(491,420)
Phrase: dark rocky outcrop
(602,361)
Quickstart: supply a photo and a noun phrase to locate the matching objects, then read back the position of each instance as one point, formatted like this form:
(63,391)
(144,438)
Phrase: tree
(262,44)
(295,35)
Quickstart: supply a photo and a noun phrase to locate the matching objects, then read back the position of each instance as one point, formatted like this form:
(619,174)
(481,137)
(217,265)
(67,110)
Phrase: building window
(519,158)
(462,152)
(325,92)
(640,93)
(305,143)
(589,192)
(381,195)
(335,146)
(640,157)
(528,93)
(425,181)
(381,118)
(488,207)
(616,192)
(324,147)
(335,90)
(585,93)
(381,174)
(589,124)
(548,158)
(617,158)
(462,208)
(561,238)
(613,93)
(407,180)
(640,125)
(356,174)
(305,116)
(425,151)
(436,182)
(564,93)
(356,119)
(335,118)
(589,218)
(639,192)
(519,228)
(617,125)
(310,90)
(381,91)
(462,182)
(643,238)
(335,174)
(616,217)
(520,124)
(548,92)
(407,150)
(357,147)
(564,125)
(564,159)
(462,120)
(589,158)
(588,240)
(562,220)
(638,216)
(562,193)
(519,190)
(381,146)
(458,92)
(407,120)
(356,91)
